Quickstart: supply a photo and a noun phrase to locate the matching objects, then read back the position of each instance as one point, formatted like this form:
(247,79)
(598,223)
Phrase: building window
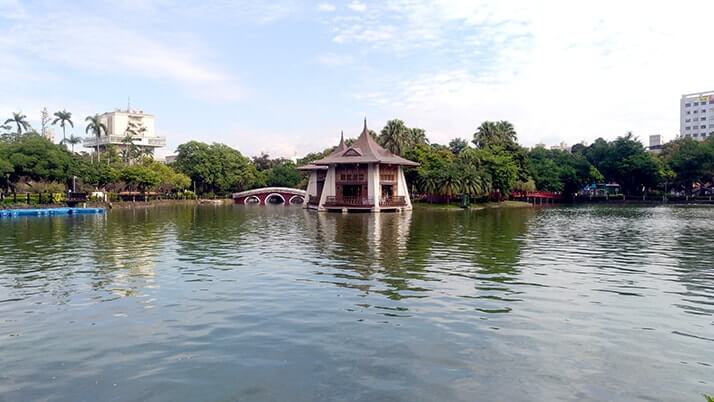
(687,135)
(687,128)
(703,118)
(696,135)
(687,120)
(688,112)
(687,104)
(696,103)
(711,102)
(704,110)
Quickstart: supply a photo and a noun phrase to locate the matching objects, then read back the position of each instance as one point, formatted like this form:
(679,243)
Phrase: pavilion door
(352,194)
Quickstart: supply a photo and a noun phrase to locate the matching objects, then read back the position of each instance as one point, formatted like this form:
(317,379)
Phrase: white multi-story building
(696,113)
(125,127)
(655,146)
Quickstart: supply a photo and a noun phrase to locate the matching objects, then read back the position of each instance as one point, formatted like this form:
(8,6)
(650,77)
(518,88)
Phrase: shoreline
(508,204)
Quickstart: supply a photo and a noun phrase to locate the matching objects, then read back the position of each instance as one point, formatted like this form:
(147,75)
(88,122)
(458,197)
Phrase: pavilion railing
(394,201)
(348,201)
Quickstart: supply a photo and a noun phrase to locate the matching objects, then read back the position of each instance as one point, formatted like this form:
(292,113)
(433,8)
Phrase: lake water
(237,303)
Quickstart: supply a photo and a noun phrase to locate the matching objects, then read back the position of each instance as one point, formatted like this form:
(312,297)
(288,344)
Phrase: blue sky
(285,77)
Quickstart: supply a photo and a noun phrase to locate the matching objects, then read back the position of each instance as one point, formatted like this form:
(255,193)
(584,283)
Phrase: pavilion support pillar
(403,189)
(329,188)
(374,190)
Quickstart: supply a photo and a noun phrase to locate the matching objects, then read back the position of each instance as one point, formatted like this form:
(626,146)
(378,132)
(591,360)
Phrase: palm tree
(429,183)
(450,184)
(417,136)
(20,120)
(72,140)
(473,183)
(63,118)
(147,152)
(491,133)
(96,127)
(394,136)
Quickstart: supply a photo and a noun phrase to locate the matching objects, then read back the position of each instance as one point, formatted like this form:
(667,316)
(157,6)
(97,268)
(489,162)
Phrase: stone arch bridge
(271,195)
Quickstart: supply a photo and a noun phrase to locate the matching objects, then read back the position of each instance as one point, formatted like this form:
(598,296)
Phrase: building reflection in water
(408,254)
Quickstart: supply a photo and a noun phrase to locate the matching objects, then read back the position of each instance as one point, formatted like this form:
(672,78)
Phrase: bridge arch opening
(296,200)
(252,200)
(274,199)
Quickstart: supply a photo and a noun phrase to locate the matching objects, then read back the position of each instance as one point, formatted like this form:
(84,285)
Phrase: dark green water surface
(281,304)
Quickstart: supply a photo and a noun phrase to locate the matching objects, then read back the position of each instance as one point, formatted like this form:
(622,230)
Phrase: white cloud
(99,45)
(357,6)
(332,59)
(326,7)
(559,70)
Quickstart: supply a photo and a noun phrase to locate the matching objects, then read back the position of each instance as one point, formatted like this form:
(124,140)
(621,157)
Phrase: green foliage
(20,120)
(63,117)
(284,174)
(97,174)
(457,145)
(626,162)
(140,177)
(395,136)
(495,134)
(708,398)
(34,157)
(688,162)
(559,171)
(216,168)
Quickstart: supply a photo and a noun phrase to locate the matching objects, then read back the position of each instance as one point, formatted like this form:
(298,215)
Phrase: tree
(216,168)
(416,136)
(457,145)
(44,121)
(129,151)
(96,127)
(20,120)
(63,117)
(36,158)
(72,140)
(394,136)
(626,162)
(140,177)
(284,174)
(98,174)
(690,160)
(561,172)
(491,133)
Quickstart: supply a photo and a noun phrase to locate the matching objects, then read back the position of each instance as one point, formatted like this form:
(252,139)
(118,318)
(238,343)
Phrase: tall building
(655,146)
(696,115)
(125,127)
(362,176)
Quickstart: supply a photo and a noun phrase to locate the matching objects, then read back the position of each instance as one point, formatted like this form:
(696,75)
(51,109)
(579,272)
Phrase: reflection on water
(234,303)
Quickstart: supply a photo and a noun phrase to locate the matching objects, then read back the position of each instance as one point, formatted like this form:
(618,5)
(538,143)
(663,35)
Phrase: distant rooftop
(697,94)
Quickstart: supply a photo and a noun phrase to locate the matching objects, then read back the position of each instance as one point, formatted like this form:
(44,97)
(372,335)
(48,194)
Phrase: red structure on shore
(537,197)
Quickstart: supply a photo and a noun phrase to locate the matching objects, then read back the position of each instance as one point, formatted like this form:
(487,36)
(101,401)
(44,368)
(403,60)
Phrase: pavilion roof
(364,150)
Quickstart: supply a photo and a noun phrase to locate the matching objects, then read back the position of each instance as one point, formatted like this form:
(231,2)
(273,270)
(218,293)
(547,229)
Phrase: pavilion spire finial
(365,123)
(342,135)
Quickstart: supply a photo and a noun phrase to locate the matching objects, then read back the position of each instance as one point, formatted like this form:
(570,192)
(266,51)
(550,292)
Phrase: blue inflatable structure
(10,213)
